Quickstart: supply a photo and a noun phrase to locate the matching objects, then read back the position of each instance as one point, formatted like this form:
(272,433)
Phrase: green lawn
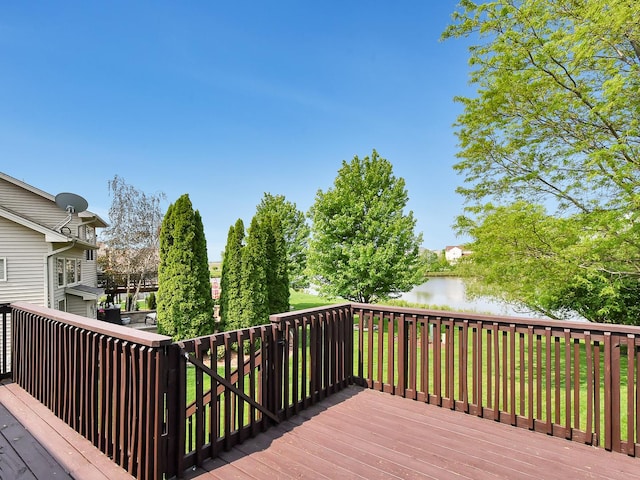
(302,301)
(524,400)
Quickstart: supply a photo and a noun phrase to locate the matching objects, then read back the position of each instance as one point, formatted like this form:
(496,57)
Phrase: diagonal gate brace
(198,363)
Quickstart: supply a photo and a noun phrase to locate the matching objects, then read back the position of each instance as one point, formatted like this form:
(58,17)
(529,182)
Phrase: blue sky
(228,100)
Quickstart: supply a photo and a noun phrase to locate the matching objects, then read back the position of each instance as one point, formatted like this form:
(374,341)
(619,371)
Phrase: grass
(302,301)
(521,405)
(525,402)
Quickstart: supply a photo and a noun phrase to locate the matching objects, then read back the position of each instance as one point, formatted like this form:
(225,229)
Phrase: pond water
(451,292)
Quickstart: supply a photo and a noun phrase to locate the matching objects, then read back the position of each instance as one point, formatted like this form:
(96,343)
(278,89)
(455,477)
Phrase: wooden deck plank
(508,442)
(70,449)
(360,433)
(21,456)
(502,461)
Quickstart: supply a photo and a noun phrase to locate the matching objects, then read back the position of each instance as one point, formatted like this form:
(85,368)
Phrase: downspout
(48,286)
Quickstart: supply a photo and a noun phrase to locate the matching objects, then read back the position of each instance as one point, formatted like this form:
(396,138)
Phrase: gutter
(48,287)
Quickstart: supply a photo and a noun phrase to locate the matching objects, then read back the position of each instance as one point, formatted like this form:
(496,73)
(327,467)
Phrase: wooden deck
(356,433)
(361,433)
(41,446)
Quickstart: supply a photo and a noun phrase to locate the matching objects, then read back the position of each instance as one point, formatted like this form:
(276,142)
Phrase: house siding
(31,267)
(40,209)
(77,306)
(25,252)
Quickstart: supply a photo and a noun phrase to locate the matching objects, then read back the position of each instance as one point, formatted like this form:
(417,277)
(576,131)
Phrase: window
(3,269)
(68,271)
(62,305)
(71,271)
(88,233)
(90,255)
(60,271)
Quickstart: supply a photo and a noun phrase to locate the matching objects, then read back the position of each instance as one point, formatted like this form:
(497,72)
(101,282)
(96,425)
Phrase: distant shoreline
(442,274)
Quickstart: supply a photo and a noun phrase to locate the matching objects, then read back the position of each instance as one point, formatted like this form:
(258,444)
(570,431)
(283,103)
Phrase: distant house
(215,288)
(453,253)
(47,254)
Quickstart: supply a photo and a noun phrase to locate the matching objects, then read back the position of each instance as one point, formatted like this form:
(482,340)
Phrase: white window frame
(60,275)
(3,269)
(70,271)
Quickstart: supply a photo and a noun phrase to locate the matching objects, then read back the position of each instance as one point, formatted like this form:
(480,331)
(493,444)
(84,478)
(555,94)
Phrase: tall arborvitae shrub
(231,280)
(185,306)
(151,301)
(276,266)
(255,297)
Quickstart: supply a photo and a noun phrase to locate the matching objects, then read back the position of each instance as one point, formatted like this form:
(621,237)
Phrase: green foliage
(255,280)
(215,269)
(185,306)
(276,264)
(363,247)
(231,306)
(295,233)
(514,260)
(436,262)
(255,294)
(555,122)
(151,301)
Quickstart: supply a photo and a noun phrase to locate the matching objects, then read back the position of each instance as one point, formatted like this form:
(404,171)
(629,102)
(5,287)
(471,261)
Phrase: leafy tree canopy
(363,246)
(296,235)
(554,128)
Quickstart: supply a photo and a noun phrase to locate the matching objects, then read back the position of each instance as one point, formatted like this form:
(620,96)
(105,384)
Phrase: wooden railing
(106,381)
(158,408)
(5,341)
(569,379)
(246,380)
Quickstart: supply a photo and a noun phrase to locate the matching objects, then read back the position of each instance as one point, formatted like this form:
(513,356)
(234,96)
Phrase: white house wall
(24,250)
(40,209)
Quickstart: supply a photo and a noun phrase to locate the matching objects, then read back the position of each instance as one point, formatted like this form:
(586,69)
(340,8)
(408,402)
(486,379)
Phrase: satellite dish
(71,203)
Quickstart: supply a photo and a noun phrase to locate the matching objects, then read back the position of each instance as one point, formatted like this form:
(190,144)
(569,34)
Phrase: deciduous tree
(553,132)
(363,246)
(132,238)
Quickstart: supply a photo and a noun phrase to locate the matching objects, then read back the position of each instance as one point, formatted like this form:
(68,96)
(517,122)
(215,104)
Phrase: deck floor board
(356,433)
(361,433)
(74,453)
(22,457)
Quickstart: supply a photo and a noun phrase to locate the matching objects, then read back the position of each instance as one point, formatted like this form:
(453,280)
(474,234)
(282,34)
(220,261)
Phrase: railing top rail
(276,317)
(118,331)
(503,319)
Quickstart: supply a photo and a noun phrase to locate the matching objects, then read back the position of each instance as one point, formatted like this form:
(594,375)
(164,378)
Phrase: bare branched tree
(132,240)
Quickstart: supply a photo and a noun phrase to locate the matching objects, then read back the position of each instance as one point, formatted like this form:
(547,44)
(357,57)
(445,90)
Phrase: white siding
(90,271)
(35,207)
(76,305)
(25,252)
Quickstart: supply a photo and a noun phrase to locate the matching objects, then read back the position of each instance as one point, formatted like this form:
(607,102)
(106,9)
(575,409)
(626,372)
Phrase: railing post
(276,352)
(5,367)
(171,453)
